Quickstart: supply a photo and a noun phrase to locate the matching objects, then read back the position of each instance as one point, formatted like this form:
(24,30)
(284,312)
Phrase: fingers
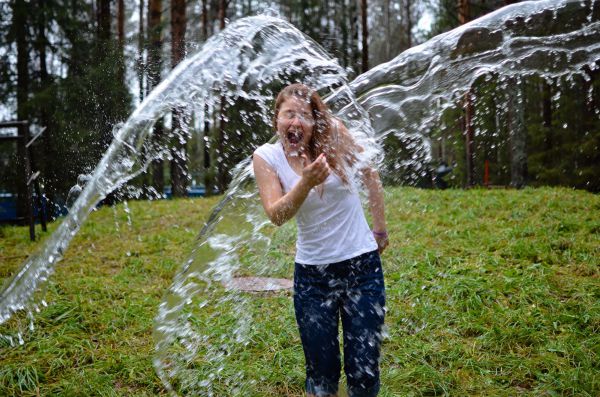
(323,167)
(382,244)
(305,160)
(324,174)
(317,171)
(321,175)
(321,162)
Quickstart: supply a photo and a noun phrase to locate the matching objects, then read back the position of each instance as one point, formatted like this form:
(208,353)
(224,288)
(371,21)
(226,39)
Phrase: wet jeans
(353,290)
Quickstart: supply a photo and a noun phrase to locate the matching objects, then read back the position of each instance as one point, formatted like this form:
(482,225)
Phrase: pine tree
(20,25)
(364,36)
(154,67)
(179,171)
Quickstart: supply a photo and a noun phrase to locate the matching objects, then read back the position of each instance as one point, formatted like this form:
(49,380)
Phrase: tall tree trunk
(354,51)
(207,170)
(305,25)
(103,52)
(344,27)
(179,171)
(547,116)
(222,13)
(517,134)
(20,11)
(121,23)
(204,21)
(103,21)
(408,23)
(464,11)
(588,84)
(141,45)
(154,67)
(469,134)
(463,17)
(365,36)
(386,22)
(220,138)
(121,40)
(48,154)
(328,30)
(155,42)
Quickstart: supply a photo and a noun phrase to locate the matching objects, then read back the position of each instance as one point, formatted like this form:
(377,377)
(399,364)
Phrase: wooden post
(24,135)
(35,180)
(27,179)
(41,205)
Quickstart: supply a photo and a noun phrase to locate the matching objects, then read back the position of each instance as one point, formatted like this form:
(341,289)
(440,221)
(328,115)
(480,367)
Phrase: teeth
(294,136)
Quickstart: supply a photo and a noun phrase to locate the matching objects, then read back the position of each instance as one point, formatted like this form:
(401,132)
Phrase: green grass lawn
(490,293)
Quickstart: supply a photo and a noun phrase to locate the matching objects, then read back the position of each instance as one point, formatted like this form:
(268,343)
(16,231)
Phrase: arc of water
(415,80)
(404,93)
(194,78)
(404,90)
(550,38)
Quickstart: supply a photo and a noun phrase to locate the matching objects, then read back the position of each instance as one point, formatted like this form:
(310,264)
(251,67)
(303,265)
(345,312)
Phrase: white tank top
(331,228)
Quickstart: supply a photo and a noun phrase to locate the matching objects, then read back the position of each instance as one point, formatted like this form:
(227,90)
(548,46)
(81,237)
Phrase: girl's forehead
(295,102)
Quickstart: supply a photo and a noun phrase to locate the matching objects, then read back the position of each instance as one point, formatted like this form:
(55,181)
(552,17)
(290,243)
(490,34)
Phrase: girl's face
(295,124)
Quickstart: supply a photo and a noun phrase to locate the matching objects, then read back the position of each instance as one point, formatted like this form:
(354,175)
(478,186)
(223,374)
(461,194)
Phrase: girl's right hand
(316,172)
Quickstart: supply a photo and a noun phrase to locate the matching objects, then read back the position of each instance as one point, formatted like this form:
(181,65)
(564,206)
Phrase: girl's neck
(296,156)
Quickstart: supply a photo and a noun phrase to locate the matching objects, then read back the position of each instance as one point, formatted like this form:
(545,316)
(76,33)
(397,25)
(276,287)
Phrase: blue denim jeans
(352,290)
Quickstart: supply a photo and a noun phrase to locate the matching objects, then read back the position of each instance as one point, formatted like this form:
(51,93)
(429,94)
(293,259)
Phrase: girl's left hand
(382,241)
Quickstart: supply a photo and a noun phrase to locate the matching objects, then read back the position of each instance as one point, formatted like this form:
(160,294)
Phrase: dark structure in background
(27,181)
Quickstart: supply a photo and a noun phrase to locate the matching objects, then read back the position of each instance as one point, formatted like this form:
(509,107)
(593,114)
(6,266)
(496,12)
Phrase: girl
(338,271)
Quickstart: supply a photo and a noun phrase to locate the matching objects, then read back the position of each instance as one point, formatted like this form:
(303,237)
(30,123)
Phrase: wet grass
(490,293)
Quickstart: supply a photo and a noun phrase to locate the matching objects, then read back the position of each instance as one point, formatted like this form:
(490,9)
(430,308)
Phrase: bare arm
(282,207)
(372,182)
(374,187)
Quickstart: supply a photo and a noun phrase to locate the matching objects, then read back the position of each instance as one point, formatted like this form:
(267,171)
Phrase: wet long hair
(326,137)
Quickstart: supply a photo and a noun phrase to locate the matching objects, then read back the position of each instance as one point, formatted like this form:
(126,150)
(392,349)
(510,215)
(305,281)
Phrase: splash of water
(248,54)
(404,95)
(250,60)
(407,95)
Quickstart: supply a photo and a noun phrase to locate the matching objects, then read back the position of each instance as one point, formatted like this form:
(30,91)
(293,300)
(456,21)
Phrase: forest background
(77,68)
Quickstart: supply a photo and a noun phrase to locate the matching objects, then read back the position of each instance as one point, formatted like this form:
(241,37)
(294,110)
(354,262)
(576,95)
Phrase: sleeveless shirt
(332,227)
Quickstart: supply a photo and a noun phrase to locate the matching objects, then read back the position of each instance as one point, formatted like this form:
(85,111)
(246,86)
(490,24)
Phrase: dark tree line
(66,65)
(520,131)
(72,62)
(68,78)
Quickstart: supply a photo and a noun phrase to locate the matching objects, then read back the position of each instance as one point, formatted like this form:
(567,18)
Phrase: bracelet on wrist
(382,234)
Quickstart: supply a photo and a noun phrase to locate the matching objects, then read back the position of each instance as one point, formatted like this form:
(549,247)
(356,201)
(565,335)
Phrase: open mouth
(294,137)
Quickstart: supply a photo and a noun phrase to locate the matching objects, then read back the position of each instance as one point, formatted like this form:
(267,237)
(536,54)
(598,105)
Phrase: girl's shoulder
(271,153)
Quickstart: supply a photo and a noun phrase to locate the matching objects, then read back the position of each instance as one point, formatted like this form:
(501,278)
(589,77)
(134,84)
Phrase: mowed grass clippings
(490,293)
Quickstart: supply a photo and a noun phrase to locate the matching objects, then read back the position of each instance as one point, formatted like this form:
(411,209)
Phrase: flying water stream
(202,327)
